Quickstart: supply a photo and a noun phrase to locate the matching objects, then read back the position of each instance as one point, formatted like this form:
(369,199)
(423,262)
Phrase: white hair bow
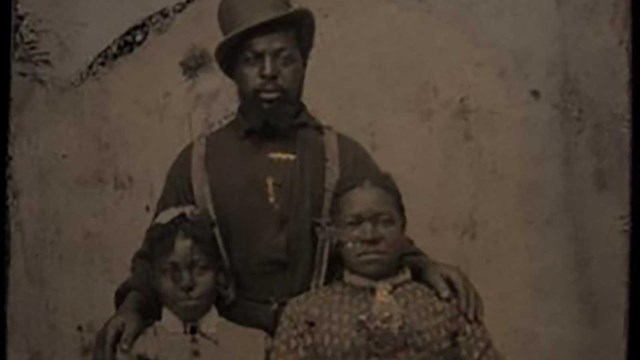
(171,213)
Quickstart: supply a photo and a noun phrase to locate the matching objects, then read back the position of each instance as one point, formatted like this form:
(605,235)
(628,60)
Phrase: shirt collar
(206,325)
(303,119)
(401,277)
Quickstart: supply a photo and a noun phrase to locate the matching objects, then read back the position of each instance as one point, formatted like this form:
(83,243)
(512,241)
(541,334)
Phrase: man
(266,172)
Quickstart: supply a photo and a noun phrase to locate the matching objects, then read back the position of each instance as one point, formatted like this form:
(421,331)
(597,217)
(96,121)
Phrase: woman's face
(371,232)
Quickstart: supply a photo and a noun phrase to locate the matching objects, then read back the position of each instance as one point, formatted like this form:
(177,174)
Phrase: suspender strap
(323,233)
(204,200)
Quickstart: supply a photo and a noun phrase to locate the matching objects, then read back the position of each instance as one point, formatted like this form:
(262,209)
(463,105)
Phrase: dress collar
(401,277)
(206,326)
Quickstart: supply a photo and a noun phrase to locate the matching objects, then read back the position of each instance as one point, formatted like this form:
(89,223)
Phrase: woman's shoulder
(320,299)
(417,289)
(430,312)
(421,297)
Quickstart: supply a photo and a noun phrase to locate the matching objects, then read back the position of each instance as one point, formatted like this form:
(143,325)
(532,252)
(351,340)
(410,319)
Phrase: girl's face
(371,232)
(186,280)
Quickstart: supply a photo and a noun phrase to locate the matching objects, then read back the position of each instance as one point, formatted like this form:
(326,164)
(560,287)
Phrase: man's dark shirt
(251,180)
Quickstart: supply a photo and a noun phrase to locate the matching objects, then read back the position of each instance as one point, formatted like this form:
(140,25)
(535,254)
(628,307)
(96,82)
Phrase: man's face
(270,69)
(370,232)
(185,280)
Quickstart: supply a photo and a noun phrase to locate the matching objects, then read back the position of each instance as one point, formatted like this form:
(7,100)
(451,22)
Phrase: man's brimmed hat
(239,17)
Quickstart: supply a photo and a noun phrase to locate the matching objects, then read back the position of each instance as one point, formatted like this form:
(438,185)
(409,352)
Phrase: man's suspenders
(204,200)
(322,226)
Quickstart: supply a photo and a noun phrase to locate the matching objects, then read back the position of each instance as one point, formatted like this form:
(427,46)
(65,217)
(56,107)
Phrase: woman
(376,311)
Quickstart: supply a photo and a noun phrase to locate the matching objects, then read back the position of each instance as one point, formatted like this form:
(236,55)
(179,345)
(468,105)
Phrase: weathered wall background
(506,124)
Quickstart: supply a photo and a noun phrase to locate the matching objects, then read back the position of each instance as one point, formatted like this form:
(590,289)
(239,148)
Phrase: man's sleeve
(415,259)
(177,191)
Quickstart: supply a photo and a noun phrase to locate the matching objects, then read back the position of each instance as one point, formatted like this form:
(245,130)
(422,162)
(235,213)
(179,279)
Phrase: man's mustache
(269,87)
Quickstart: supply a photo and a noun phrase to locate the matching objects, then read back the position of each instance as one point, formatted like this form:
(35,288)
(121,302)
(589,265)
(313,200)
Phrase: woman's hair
(381,180)
(161,237)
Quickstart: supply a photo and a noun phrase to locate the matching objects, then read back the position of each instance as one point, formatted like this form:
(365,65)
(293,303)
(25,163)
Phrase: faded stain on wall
(506,125)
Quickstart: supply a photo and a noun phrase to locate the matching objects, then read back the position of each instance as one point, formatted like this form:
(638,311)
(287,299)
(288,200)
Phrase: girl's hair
(381,180)
(161,237)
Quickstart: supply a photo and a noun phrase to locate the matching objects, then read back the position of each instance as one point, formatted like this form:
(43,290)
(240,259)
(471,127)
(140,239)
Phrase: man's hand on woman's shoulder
(447,281)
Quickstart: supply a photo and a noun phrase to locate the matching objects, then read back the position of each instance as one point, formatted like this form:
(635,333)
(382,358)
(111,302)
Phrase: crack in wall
(131,40)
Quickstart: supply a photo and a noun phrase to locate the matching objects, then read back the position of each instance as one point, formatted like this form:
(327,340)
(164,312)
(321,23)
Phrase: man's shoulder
(324,128)
(223,127)
(212,132)
(343,139)
(351,151)
(355,159)
(216,134)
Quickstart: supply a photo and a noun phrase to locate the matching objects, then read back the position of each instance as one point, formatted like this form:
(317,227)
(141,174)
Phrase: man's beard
(275,120)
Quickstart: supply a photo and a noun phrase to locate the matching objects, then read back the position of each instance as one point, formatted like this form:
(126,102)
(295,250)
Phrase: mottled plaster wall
(506,124)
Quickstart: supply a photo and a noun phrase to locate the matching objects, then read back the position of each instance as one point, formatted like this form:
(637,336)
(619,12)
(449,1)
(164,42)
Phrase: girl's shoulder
(146,345)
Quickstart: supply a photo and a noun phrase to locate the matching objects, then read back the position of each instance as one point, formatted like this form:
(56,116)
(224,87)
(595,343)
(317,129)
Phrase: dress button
(192,329)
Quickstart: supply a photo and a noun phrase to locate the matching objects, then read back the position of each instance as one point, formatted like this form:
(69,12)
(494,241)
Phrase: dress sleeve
(474,342)
(293,340)
(176,191)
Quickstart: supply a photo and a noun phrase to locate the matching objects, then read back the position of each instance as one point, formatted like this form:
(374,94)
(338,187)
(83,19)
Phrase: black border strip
(633,314)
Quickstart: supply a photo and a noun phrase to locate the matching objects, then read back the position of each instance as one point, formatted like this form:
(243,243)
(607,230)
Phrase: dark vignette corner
(633,314)
(6,127)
